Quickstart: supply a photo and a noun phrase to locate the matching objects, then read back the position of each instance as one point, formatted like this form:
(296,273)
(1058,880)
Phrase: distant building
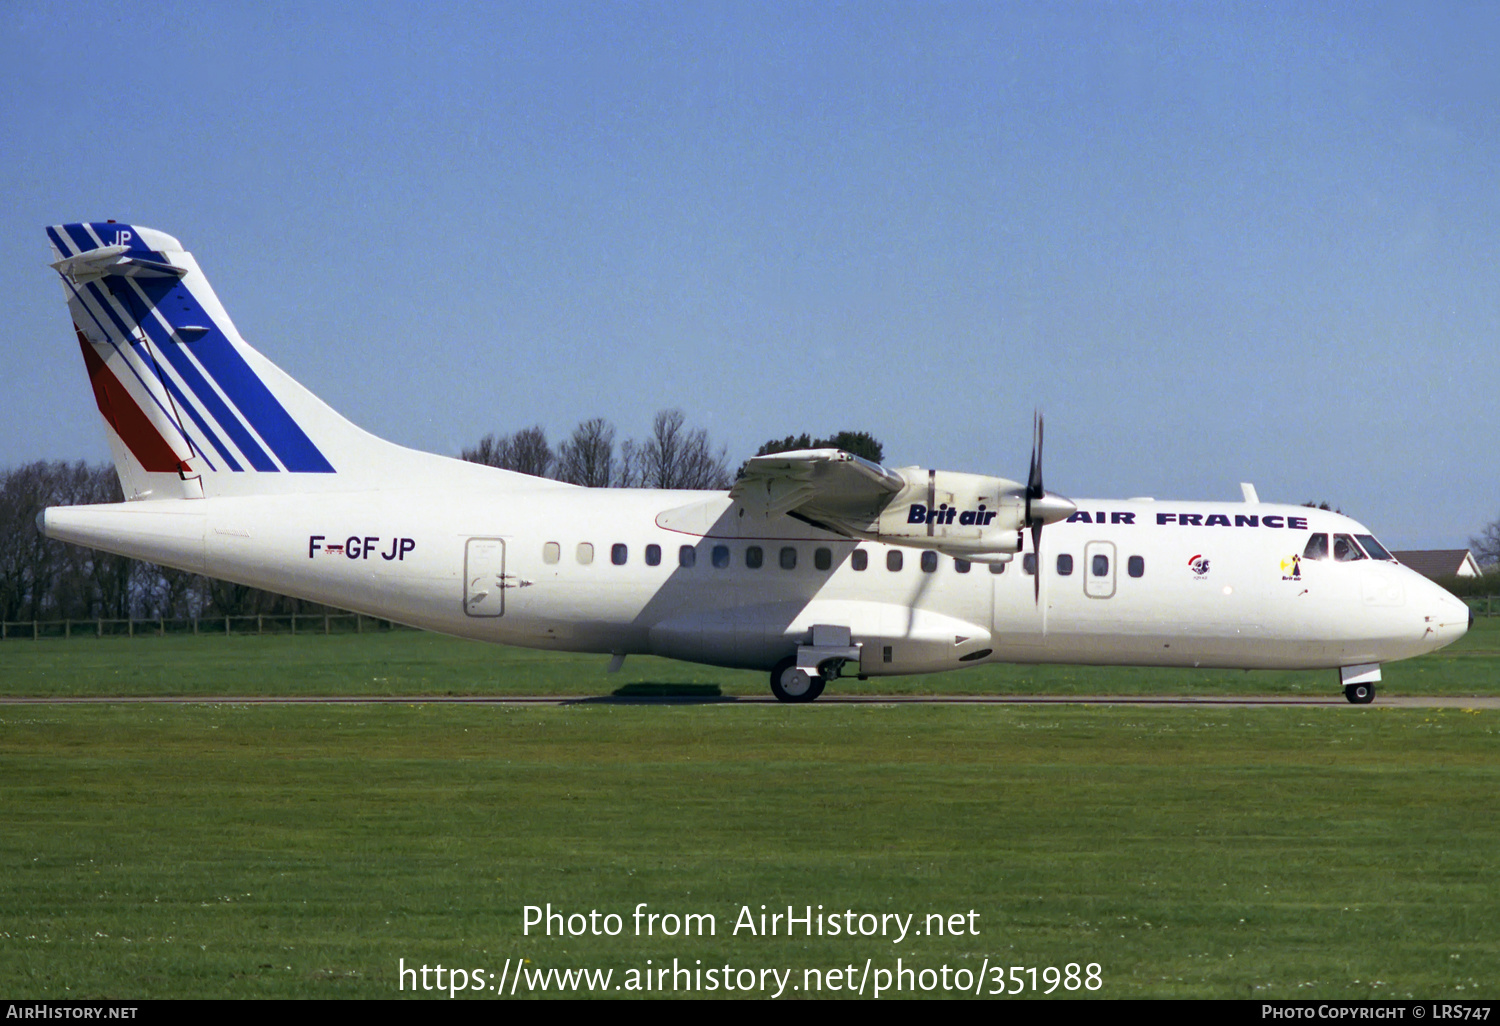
(1439,563)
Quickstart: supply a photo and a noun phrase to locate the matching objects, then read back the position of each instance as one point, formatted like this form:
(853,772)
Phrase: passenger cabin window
(721,556)
(1064,565)
(1099,566)
(653,555)
(1344,549)
(1317,547)
(859,559)
(929,561)
(961,566)
(1028,562)
(585,553)
(788,558)
(893,559)
(551,553)
(687,556)
(618,553)
(754,557)
(998,568)
(822,558)
(1136,566)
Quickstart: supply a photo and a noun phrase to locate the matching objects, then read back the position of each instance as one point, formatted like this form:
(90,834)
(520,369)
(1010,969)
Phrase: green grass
(229,851)
(251,851)
(415,663)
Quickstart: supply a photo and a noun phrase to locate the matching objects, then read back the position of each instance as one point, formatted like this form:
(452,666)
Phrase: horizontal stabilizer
(112,261)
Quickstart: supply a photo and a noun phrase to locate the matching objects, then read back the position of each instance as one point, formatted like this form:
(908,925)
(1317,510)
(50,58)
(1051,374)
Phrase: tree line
(672,456)
(42,579)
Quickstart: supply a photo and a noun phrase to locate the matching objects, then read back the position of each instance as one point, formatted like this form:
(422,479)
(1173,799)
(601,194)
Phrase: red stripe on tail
(125,415)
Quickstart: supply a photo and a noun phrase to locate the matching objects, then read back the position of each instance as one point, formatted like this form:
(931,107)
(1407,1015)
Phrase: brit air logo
(944,514)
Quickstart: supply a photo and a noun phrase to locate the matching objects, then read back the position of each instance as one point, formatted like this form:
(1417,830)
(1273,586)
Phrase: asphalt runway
(1248,702)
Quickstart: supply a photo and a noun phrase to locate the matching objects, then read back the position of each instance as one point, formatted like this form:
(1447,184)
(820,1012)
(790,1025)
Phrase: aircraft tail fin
(192,409)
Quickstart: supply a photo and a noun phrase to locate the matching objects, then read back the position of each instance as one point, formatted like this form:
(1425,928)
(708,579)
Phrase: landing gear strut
(1360,694)
(790,684)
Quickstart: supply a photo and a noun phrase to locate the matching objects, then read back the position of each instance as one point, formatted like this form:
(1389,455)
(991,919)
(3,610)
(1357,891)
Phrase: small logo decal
(1291,568)
(1199,565)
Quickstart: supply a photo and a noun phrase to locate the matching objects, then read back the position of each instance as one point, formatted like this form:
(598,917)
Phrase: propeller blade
(1041,508)
(1036,555)
(1034,489)
(1034,492)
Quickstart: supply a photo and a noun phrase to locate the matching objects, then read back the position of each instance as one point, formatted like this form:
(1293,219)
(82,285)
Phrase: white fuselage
(234,470)
(1151,583)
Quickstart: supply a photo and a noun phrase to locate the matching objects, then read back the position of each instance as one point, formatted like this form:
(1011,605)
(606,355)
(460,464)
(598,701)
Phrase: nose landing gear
(1359,682)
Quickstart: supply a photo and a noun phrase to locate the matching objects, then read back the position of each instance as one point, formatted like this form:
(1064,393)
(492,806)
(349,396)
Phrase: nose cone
(1445,616)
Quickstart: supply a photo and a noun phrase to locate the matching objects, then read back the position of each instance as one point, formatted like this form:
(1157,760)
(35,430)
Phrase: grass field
(237,851)
(405,662)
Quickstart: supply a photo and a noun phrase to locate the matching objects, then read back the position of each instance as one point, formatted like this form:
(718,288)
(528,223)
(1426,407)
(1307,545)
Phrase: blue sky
(1213,243)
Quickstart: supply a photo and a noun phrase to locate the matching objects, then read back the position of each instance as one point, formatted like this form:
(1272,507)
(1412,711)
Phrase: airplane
(816,564)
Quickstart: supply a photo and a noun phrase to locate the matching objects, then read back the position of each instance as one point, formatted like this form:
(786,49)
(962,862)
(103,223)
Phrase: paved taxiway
(1251,702)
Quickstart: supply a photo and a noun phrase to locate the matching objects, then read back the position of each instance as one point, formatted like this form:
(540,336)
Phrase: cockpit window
(1374,548)
(1317,547)
(1344,549)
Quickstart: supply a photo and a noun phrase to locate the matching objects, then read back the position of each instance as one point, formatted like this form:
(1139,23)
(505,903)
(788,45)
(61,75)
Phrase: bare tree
(492,450)
(530,453)
(588,457)
(632,469)
(525,452)
(1486,546)
(162,591)
(42,578)
(114,581)
(27,562)
(676,457)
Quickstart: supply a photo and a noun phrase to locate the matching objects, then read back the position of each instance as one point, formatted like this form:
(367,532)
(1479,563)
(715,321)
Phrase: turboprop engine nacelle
(966,515)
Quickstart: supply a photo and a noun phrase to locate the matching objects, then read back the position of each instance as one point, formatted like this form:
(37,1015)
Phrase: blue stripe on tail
(250,401)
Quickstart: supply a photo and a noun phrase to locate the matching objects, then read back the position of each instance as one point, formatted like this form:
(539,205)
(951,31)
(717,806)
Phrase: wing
(829,487)
(967,516)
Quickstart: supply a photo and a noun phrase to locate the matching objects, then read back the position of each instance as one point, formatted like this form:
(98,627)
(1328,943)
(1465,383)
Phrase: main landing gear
(1360,694)
(800,678)
(790,684)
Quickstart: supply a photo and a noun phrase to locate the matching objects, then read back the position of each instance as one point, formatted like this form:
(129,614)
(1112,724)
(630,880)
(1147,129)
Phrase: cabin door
(484,577)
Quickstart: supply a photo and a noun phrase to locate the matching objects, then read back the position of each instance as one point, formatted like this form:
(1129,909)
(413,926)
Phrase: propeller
(1041,508)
